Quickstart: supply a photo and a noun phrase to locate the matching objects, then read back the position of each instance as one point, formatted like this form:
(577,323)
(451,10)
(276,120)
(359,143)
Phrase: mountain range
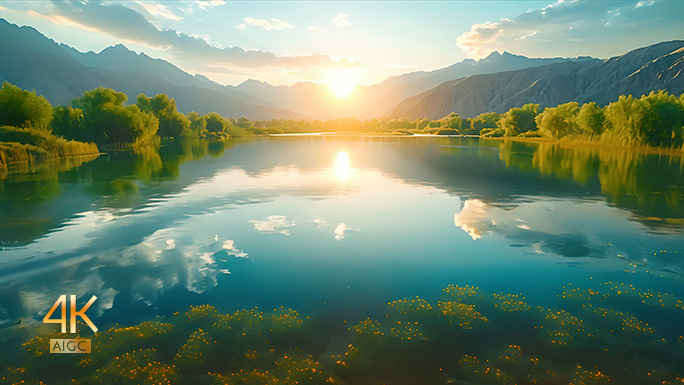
(656,67)
(60,73)
(496,83)
(314,99)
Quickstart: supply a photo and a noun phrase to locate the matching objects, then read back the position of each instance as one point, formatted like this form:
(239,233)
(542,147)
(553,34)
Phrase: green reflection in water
(25,188)
(608,333)
(651,186)
(114,178)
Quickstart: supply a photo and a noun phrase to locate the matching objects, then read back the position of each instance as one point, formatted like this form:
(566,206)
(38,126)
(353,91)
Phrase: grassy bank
(32,146)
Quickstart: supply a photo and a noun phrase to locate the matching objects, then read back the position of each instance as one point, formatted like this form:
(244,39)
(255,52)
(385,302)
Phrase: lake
(338,227)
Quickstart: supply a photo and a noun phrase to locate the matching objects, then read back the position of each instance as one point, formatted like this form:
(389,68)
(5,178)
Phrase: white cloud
(564,27)
(341,20)
(200,54)
(274,224)
(475,43)
(644,3)
(209,4)
(315,30)
(274,24)
(156,9)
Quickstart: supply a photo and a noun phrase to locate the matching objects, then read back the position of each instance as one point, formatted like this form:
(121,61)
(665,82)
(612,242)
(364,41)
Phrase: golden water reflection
(342,167)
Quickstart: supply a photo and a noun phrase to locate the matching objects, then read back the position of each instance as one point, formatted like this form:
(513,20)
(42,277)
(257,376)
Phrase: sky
(364,42)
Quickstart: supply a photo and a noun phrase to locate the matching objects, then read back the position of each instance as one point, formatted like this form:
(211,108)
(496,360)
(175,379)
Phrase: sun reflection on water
(342,167)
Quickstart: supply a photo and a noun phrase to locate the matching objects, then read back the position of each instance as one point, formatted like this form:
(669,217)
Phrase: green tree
(67,122)
(198,124)
(467,127)
(422,123)
(591,119)
(560,121)
(400,124)
(107,120)
(518,120)
(243,122)
(171,122)
(655,119)
(492,132)
(662,124)
(485,120)
(237,131)
(623,118)
(215,122)
(453,121)
(22,108)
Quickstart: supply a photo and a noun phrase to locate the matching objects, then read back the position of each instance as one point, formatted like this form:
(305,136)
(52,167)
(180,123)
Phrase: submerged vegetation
(609,333)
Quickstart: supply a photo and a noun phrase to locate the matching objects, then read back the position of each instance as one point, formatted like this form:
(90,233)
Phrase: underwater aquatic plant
(608,333)
(139,367)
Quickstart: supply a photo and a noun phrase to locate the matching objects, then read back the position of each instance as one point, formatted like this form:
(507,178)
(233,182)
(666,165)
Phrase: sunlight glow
(341,81)
(342,167)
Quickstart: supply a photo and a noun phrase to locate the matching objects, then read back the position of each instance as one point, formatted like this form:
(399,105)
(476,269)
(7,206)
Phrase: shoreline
(23,167)
(16,162)
(566,143)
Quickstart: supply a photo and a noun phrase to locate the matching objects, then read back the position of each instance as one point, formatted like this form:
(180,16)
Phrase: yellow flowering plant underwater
(610,333)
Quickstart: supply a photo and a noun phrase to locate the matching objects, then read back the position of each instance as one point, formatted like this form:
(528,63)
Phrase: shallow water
(337,227)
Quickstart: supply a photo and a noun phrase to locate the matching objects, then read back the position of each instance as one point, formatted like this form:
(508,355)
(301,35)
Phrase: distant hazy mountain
(60,73)
(660,66)
(495,83)
(310,99)
(120,58)
(315,100)
(399,88)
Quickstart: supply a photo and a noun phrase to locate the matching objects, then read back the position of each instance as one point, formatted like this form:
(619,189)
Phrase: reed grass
(35,146)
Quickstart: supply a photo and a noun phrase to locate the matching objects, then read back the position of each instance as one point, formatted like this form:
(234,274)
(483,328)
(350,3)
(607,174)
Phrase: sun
(341,81)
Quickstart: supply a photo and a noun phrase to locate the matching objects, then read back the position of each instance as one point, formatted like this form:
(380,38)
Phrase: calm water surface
(336,226)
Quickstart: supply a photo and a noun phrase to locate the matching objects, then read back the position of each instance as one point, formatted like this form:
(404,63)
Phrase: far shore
(569,143)
(650,150)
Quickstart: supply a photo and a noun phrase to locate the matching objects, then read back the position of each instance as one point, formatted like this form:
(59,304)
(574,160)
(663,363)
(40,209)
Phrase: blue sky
(283,42)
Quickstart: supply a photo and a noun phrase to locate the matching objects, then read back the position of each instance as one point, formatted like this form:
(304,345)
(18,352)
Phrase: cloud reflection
(340,231)
(567,236)
(473,219)
(229,247)
(274,224)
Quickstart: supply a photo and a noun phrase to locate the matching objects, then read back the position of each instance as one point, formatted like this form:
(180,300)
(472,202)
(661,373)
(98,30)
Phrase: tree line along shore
(32,130)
